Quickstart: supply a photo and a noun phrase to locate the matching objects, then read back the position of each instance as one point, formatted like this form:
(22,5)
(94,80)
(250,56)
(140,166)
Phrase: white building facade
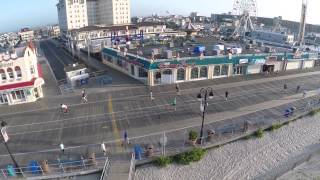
(20,76)
(26,34)
(72,14)
(114,12)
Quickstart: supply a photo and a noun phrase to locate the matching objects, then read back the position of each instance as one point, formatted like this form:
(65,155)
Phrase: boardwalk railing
(105,170)
(57,169)
(132,167)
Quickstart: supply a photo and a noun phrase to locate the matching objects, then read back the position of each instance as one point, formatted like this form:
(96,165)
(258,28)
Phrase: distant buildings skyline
(42,12)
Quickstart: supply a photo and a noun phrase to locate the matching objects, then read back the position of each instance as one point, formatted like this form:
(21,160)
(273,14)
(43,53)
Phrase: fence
(58,169)
(132,167)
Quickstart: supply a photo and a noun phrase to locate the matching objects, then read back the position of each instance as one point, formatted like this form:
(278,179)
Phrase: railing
(105,170)
(132,167)
(59,169)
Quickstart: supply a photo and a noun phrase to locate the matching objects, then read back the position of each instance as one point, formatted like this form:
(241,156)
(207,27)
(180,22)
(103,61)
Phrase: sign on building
(4,134)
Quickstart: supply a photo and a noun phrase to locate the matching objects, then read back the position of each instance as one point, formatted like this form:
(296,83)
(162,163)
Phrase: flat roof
(74,68)
(208,42)
(117,27)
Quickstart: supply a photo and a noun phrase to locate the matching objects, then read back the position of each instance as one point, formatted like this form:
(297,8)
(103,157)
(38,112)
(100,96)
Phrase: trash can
(211,133)
(92,159)
(137,152)
(149,152)
(45,166)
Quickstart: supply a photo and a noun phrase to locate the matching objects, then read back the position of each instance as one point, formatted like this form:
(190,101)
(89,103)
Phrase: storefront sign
(243,61)
(2,65)
(297,55)
(121,54)
(258,61)
(137,63)
(173,66)
(272,58)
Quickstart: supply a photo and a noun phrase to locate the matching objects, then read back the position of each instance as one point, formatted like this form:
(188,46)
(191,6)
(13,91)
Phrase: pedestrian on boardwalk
(177,89)
(64,108)
(304,93)
(62,147)
(103,148)
(226,95)
(298,89)
(151,95)
(84,96)
(126,139)
(285,86)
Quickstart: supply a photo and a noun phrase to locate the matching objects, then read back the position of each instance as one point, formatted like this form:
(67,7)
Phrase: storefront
(184,69)
(21,76)
(293,64)
(308,64)
(255,66)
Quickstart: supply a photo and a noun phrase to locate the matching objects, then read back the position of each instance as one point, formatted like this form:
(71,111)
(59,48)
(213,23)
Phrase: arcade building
(20,76)
(181,67)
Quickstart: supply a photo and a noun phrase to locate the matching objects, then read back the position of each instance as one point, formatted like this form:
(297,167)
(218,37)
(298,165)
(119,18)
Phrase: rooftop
(74,67)
(186,48)
(116,27)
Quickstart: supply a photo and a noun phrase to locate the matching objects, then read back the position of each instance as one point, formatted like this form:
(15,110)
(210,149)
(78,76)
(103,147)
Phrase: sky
(16,14)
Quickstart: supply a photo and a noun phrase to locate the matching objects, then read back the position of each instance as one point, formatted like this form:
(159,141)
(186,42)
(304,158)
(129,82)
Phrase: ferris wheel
(246,12)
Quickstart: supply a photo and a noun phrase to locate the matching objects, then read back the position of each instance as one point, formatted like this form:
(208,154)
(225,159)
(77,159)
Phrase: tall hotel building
(75,14)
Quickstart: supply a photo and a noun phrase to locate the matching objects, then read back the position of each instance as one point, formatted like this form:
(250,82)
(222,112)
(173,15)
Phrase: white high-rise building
(113,12)
(72,14)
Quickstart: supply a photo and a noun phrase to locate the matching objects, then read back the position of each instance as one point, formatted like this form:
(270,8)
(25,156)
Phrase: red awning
(18,85)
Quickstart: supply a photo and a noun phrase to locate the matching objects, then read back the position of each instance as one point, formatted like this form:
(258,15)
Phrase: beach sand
(245,159)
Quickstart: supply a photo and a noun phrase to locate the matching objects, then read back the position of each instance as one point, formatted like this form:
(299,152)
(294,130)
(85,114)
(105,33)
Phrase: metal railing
(57,169)
(132,167)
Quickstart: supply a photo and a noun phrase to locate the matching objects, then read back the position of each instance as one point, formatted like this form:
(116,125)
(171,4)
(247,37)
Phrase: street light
(5,139)
(202,96)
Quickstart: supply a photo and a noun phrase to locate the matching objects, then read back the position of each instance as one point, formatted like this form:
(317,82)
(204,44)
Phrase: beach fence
(60,168)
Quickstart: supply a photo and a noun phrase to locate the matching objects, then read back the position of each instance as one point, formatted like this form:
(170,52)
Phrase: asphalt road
(56,57)
(106,119)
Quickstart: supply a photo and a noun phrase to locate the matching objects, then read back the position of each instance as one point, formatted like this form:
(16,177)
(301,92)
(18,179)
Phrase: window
(195,73)
(132,70)
(224,70)
(180,74)
(203,72)
(167,72)
(3,75)
(32,70)
(142,72)
(119,62)
(10,73)
(18,95)
(18,71)
(216,70)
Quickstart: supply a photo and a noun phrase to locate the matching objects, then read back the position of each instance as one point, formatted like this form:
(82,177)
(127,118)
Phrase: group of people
(64,107)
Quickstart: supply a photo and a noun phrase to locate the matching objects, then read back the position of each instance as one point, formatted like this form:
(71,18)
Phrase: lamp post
(5,139)
(203,96)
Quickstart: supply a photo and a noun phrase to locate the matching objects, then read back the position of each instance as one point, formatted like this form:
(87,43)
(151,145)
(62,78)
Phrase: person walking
(226,95)
(84,96)
(125,136)
(64,108)
(62,147)
(151,96)
(298,89)
(177,89)
(285,86)
(304,93)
